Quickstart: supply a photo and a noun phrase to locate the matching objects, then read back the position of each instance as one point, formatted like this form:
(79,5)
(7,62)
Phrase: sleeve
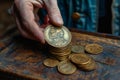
(87,9)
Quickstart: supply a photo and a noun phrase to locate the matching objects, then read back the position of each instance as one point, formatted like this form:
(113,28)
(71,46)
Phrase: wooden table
(22,59)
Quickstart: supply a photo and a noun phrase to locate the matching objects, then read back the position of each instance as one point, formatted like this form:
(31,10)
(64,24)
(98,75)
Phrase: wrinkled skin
(27,20)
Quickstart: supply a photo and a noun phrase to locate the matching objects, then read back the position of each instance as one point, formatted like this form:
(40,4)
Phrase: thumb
(53,12)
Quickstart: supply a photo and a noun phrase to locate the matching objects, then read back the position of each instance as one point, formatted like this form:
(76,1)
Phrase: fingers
(28,22)
(53,12)
(23,32)
(36,31)
(37,3)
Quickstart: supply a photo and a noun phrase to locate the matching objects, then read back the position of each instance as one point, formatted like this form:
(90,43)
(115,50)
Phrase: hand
(27,19)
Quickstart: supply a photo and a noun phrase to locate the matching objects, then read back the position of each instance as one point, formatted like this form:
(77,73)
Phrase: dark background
(105,21)
(6,20)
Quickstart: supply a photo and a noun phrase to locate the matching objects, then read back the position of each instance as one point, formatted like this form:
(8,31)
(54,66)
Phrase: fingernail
(58,22)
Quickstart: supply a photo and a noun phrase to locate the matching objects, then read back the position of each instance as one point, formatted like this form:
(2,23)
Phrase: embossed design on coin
(94,48)
(66,67)
(57,37)
(79,58)
(78,49)
(49,62)
(83,61)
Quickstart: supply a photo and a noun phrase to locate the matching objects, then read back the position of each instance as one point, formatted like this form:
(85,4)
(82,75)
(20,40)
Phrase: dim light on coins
(57,37)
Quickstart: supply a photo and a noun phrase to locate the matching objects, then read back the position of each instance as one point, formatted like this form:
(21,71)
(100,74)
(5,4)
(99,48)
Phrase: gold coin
(57,37)
(70,55)
(49,62)
(81,58)
(59,50)
(93,48)
(61,53)
(78,49)
(66,67)
(91,65)
(62,58)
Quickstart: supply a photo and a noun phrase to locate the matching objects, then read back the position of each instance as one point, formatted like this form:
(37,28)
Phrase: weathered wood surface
(22,57)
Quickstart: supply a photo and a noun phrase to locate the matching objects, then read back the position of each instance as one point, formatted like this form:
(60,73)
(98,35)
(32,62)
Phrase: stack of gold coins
(59,41)
(60,53)
(83,61)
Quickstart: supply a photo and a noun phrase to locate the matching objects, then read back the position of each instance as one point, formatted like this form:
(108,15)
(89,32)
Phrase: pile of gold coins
(83,61)
(65,56)
(59,42)
(60,53)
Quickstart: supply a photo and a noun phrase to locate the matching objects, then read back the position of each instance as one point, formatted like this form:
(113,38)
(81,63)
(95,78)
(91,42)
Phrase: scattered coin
(57,37)
(66,67)
(81,58)
(93,48)
(91,65)
(49,62)
(78,49)
(83,61)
